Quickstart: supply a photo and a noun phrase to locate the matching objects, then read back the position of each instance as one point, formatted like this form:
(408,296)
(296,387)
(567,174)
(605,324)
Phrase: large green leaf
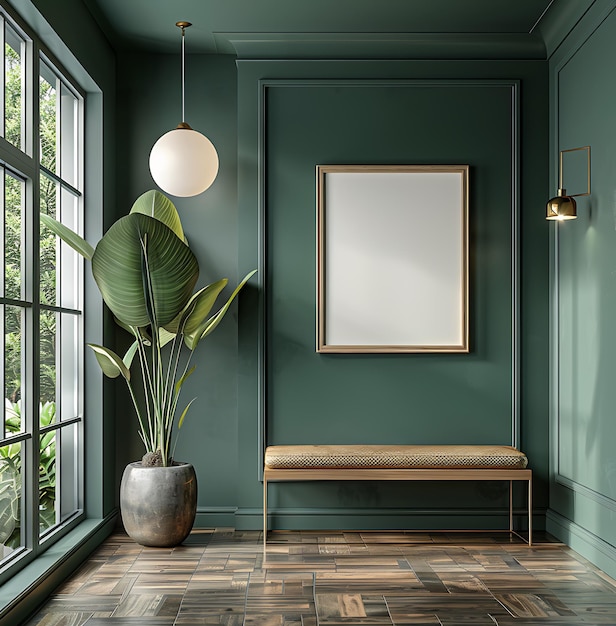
(47,413)
(198,308)
(184,413)
(130,354)
(156,204)
(111,364)
(207,326)
(165,337)
(9,499)
(182,380)
(117,267)
(75,241)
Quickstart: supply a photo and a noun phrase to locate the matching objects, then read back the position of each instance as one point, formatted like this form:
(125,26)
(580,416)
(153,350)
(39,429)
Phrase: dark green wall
(150,91)
(583,488)
(295,115)
(270,168)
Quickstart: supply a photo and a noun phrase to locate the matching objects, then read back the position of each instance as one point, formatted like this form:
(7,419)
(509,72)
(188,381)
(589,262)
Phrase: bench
(397,462)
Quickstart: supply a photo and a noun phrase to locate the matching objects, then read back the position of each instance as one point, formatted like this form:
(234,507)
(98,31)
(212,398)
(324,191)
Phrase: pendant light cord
(183,72)
(183,26)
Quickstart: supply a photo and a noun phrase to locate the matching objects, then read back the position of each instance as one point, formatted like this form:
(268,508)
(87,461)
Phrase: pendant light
(183,162)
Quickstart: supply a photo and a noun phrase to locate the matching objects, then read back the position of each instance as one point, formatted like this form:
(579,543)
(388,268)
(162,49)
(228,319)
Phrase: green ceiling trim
(557,24)
(381,46)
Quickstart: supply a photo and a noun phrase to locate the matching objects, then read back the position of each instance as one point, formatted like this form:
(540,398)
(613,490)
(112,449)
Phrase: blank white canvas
(394,256)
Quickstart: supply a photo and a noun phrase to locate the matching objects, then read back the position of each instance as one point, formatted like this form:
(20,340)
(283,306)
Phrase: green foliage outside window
(12,96)
(10,455)
(13,238)
(10,476)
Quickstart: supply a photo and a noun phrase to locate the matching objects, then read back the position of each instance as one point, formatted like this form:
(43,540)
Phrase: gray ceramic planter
(158,504)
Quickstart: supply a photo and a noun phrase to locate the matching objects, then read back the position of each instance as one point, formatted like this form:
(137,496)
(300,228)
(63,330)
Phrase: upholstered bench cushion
(393,457)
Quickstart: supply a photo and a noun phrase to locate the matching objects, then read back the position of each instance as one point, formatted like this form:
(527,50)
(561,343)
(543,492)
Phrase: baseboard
(589,545)
(386,519)
(216,517)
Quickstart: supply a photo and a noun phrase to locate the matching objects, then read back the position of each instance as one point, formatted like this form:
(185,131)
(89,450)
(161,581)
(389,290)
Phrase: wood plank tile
(220,577)
(144,605)
(532,605)
(62,619)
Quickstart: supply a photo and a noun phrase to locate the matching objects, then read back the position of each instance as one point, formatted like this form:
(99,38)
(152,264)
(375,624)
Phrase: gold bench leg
(264,516)
(530,512)
(510,506)
(530,509)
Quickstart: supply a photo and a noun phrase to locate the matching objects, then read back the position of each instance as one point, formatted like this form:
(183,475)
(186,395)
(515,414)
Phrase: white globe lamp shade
(183,162)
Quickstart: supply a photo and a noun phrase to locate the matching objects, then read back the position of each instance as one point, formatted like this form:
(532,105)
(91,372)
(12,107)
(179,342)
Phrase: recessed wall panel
(367,398)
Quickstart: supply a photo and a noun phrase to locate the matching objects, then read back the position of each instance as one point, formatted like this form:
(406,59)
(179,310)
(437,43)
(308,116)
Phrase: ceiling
(217,24)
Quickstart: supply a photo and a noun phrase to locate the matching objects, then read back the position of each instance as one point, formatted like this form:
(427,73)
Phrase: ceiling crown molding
(560,19)
(381,45)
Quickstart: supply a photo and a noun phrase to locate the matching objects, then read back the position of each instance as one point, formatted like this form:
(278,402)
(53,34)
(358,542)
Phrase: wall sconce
(563,206)
(183,162)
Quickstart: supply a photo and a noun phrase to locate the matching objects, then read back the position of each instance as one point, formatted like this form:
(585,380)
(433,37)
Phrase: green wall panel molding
(583,257)
(316,398)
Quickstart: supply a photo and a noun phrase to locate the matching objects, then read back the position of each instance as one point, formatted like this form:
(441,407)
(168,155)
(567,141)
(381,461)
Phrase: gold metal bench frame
(440,474)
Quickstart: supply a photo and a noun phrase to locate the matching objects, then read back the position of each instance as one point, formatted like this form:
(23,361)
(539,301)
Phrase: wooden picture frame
(392,258)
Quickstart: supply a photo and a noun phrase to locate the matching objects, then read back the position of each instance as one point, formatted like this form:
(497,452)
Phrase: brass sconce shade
(183,162)
(563,206)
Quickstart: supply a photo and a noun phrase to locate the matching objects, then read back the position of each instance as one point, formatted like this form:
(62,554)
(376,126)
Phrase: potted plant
(146,273)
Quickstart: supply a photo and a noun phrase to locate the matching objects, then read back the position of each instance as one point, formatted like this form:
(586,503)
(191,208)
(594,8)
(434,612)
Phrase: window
(41,301)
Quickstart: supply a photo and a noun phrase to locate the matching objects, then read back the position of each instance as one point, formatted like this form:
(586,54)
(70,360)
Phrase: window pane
(13,87)
(48,356)
(68,131)
(13,424)
(48,98)
(58,476)
(10,500)
(70,361)
(70,272)
(68,471)
(61,268)
(13,353)
(49,243)
(47,481)
(13,237)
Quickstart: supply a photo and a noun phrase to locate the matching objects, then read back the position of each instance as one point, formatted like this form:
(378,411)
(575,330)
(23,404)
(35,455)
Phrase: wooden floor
(332,579)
